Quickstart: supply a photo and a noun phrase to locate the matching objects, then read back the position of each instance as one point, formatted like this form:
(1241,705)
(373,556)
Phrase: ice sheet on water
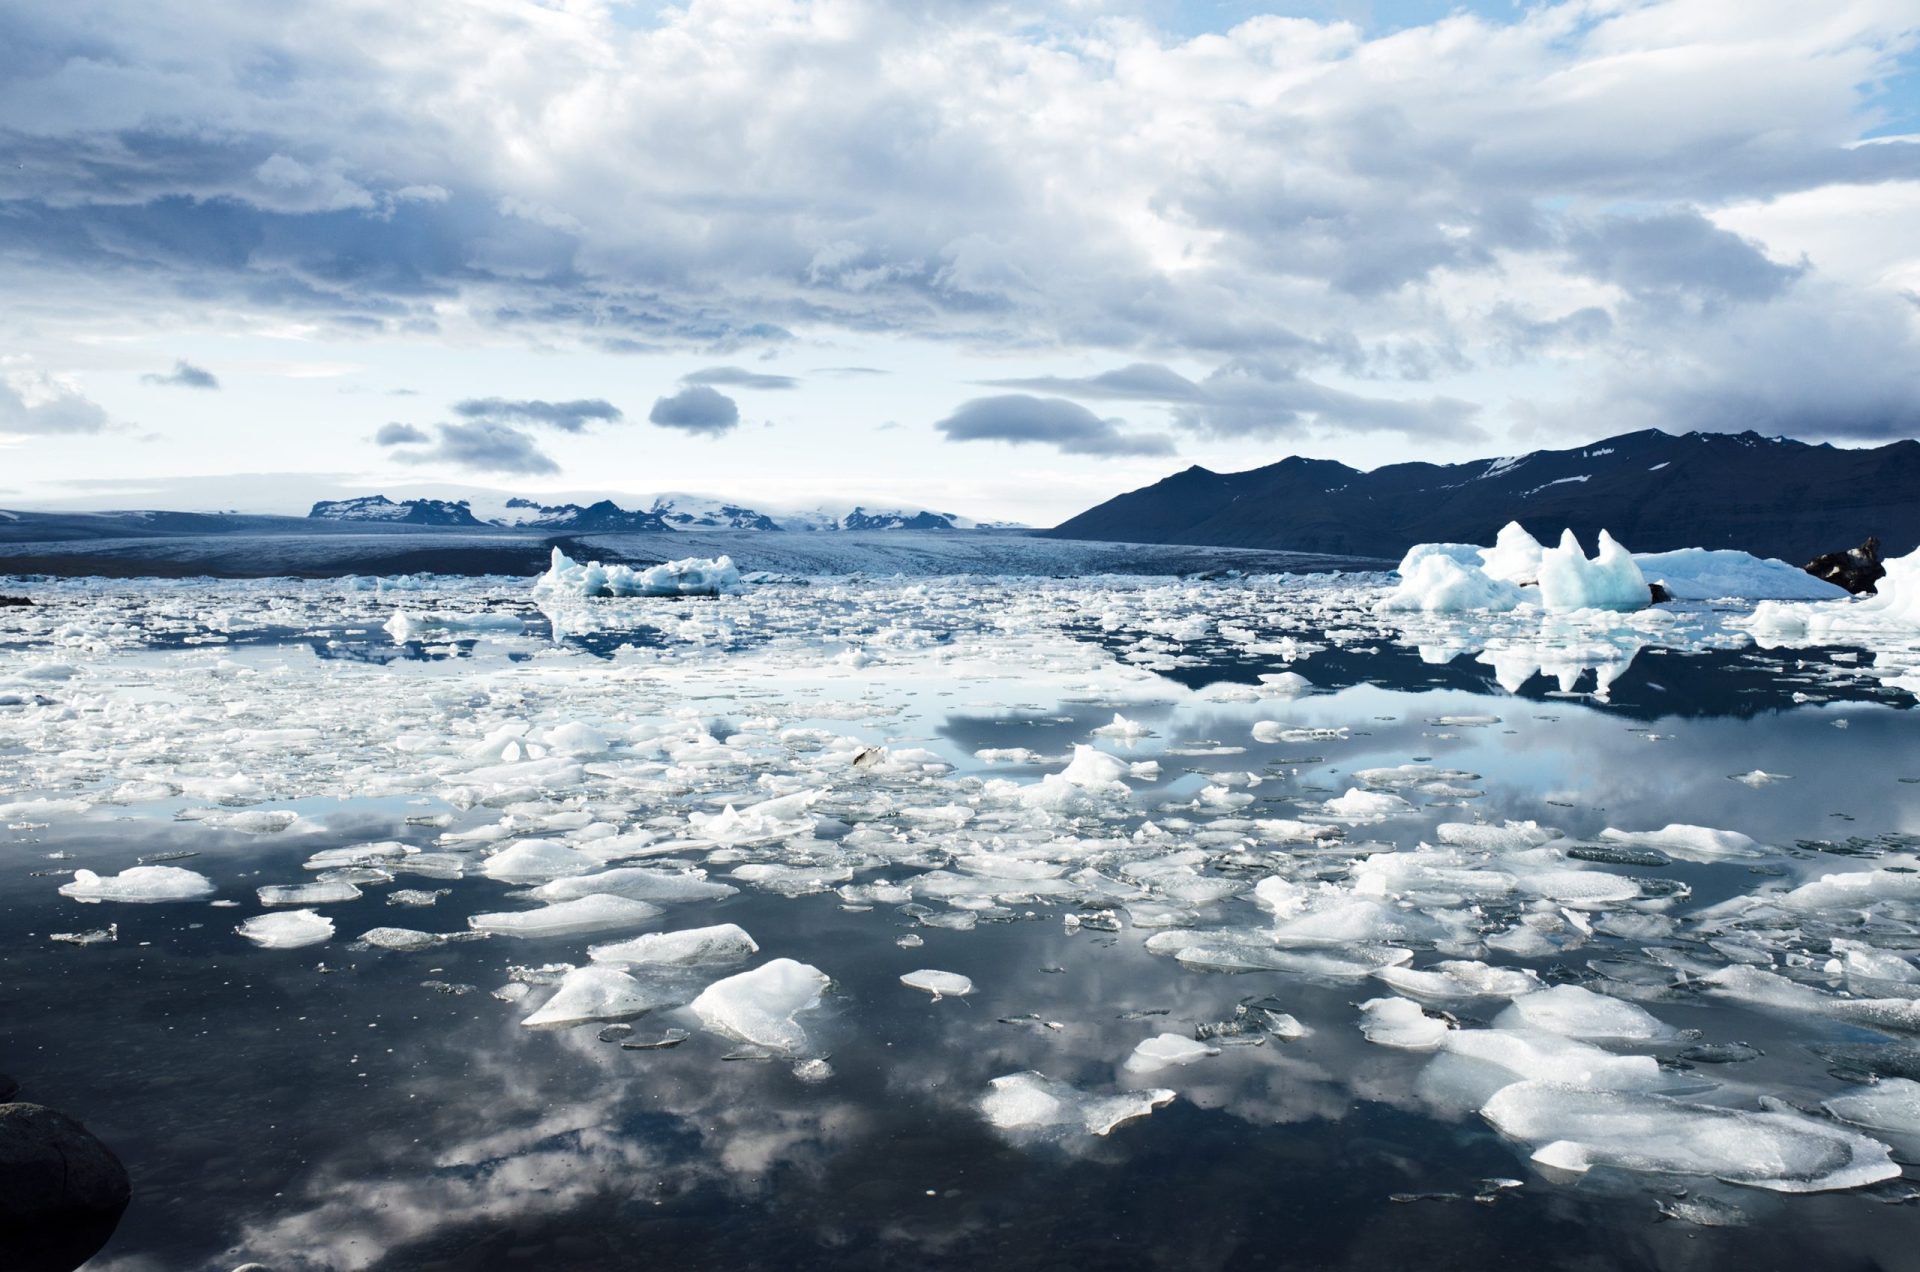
(1690,843)
(720,943)
(287,929)
(641,883)
(1576,1130)
(1574,1012)
(1400,1022)
(1034,1104)
(139,883)
(1164,1051)
(537,861)
(596,993)
(1891,1104)
(939,984)
(1458,979)
(760,1006)
(307,893)
(598,912)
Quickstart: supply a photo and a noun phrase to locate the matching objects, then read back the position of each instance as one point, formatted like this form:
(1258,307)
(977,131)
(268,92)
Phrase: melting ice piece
(594,993)
(1891,1104)
(1357,806)
(1689,843)
(1433,583)
(1573,1012)
(383,853)
(1166,1049)
(1122,728)
(287,930)
(1488,1059)
(584,914)
(1457,978)
(307,893)
(1610,580)
(639,883)
(405,939)
(759,1006)
(939,984)
(139,883)
(1576,1130)
(536,861)
(1399,1022)
(693,576)
(721,943)
(1033,1102)
(1768,989)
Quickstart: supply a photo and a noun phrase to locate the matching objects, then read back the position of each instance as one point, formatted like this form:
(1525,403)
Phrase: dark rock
(61,1190)
(1857,569)
(1659,593)
(6,601)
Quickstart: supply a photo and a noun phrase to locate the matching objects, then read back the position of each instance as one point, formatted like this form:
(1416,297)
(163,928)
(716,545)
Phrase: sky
(999,259)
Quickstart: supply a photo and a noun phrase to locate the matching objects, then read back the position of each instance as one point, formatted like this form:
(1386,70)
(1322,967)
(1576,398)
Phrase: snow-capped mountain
(415,512)
(1771,496)
(603,516)
(663,513)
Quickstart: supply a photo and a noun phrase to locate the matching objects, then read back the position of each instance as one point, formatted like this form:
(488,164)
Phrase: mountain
(605,516)
(693,512)
(1771,496)
(413,512)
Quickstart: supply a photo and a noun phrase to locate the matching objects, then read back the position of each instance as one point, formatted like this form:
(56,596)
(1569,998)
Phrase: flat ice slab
(759,1006)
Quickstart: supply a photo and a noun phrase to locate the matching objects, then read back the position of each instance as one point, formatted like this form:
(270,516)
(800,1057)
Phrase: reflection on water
(340,1106)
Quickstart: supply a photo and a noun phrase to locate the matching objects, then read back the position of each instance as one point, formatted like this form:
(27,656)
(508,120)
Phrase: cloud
(1254,398)
(484,446)
(1136,382)
(740,378)
(697,409)
(185,376)
(1066,426)
(34,402)
(568,417)
(397,434)
(1678,253)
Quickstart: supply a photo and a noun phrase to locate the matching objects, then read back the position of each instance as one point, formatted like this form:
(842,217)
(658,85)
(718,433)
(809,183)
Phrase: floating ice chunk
(139,883)
(1701,574)
(307,893)
(383,854)
(1610,580)
(1757,778)
(1283,684)
(537,861)
(1277,731)
(1359,807)
(406,940)
(287,930)
(1853,890)
(1573,1012)
(1891,1104)
(639,883)
(759,1006)
(1768,989)
(1502,1056)
(721,943)
(1458,979)
(1514,556)
(1400,1022)
(1858,959)
(779,818)
(594,993)
(1438,584)
(939,984)
(692,576)
(594,913)
(1035,1103)
(575,738)
(1513,836)
(1690,843)
(1576,1130)
(1162,1050)
(1123,728)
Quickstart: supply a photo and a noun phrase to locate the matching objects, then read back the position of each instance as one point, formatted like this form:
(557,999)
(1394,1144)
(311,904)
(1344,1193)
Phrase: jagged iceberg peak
(693,576)
(1609,580)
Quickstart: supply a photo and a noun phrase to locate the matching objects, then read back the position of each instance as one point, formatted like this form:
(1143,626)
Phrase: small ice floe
(1123,729)
(1690,843)
(1771,990)
(406,940)
(691,947)
(287,929)
(1283,684)
(1361,807)
(1573,1012)
(1275,731)
(640,883)
(812,1070)
(1576,1130)
(1757,778)
(939,984)
(1403,1023)
(307,893)
(594,993)
(1033,1103)
(1891,1104)
(139,883)
(1164,1050)
(692,576)
(95,936)
(1457,979)
(382,854)
(595,913)
(760,1006)
(537,861)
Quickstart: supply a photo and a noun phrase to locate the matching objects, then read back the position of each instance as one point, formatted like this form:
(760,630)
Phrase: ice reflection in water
(349,1106)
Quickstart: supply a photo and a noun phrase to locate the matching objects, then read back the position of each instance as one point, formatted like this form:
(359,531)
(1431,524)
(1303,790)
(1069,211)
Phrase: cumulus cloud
(397,434)
(696,409)
(568,417)
(484,446)
(739,378)
(1066,426)
(34,402)
(184,376)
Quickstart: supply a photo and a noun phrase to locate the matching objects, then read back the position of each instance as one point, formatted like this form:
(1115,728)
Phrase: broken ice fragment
(671,1038)
(584,914)
(1891,1104)
(97,936)
(139,883)
(307,893)
(594,993)
(1400,1022)
(1162,1050)
(939,984)
(721,943)
(759,1006)
(1035,1103)
(287,930)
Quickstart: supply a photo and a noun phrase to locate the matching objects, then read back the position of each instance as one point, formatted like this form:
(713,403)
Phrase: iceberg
(1439,584)
(1610,580)
(694,576)
(759,1006)
(139,883)
(287,929)
(593,913)
(721,943)
(594,993)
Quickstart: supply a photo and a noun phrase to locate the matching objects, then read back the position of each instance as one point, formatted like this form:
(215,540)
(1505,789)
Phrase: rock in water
(1857,569)
(61,1190)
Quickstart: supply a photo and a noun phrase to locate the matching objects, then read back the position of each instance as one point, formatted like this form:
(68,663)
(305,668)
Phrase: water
(338,1106)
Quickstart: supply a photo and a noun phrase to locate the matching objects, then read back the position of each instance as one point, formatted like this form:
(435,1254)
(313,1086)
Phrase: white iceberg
(594,913)
(721,943)
(594,993)
(1610,580)
(759,1006)
(693,576)
(939,984)
(287,929)
(139,883)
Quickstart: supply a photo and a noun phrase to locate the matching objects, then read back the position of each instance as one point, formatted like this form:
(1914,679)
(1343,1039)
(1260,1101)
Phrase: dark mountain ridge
(1654,491)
